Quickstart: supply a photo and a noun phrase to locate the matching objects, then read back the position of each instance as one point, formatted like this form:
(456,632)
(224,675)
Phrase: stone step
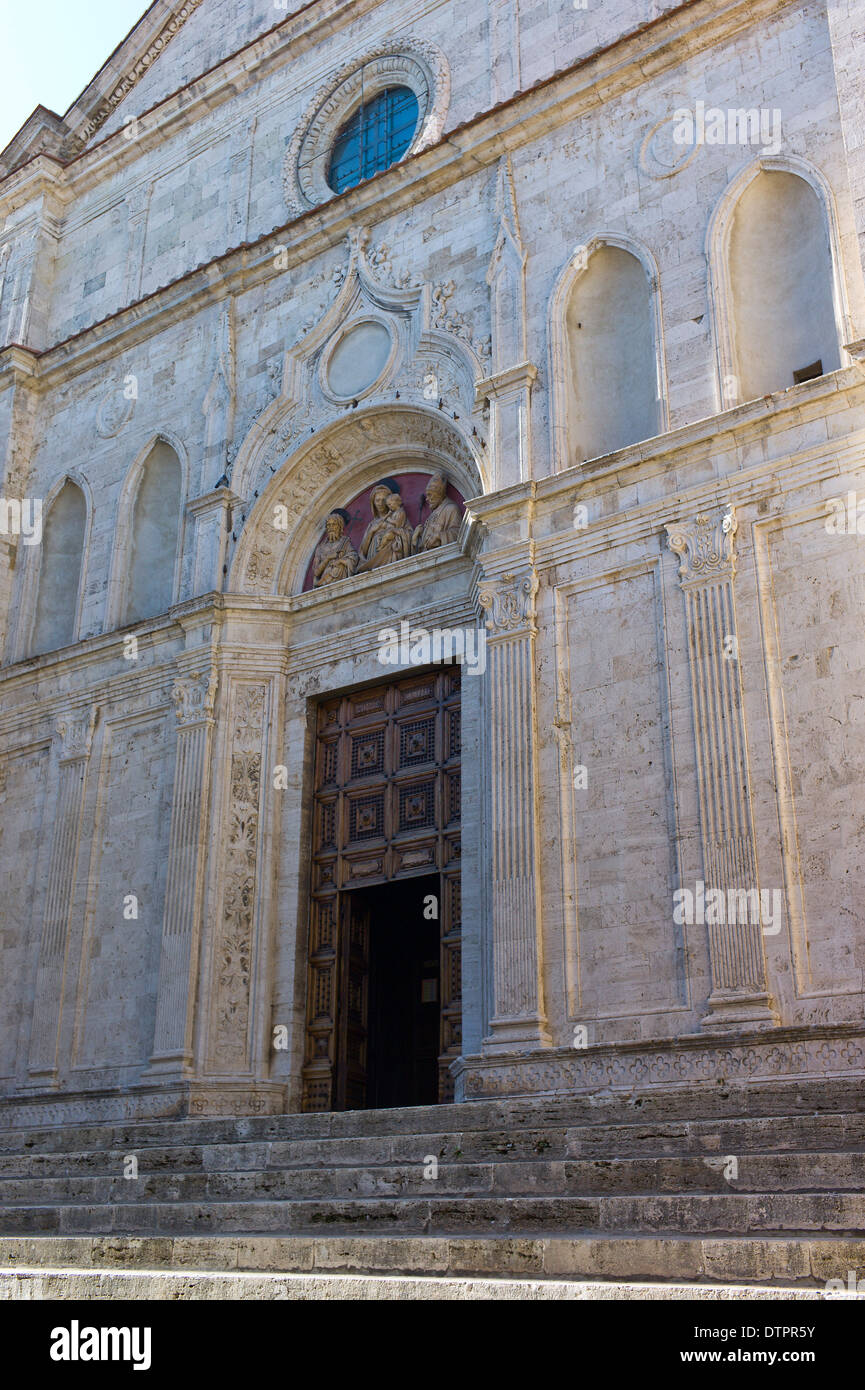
(713,1101)
(803,1260)
(696,1214)
(756,1173)
(738,1137)
(122,1286)
(182,1147)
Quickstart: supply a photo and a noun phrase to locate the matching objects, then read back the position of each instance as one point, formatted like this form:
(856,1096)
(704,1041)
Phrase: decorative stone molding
(510,603)
(508,388)
(194,698)
(282,530)
(114,412)
(706,548)
(519,1018)
(130,78)
(659,155)
(234,944)
(450,320)
(667,1064)
(402,62)
(378,259)
(75,731)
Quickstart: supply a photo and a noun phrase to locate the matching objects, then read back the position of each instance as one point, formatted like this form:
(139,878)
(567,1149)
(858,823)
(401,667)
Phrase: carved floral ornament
(194,698)
(509,602)
(705,546)
(404,62)
(75,731)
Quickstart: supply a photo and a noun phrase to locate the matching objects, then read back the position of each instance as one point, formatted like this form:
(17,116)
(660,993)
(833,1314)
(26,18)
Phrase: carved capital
(75,731)
(509,602)
(194,698)
(705,546)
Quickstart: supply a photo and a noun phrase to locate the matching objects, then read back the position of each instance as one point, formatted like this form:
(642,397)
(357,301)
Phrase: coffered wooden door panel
(386,807)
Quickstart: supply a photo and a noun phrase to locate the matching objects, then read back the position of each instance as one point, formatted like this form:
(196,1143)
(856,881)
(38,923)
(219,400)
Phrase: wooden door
(352,1014)
(387,782)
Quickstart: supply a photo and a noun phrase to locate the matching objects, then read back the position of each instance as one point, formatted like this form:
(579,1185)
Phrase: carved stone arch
(559,347)
(461,362)
(305,408)
(717,249)
(21,635)
(280,533)
(118,574)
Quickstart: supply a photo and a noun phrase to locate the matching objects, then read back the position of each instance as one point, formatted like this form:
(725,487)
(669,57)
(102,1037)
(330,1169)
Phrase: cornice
(218,84)
(471,148)
(95,113)
(637,524)
(733,428)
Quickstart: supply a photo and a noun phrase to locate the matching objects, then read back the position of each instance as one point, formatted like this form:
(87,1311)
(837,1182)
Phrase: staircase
(703,1186)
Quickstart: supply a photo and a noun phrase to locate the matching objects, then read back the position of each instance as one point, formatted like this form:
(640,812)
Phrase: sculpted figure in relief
(443,523)
(335,556)
(388,536)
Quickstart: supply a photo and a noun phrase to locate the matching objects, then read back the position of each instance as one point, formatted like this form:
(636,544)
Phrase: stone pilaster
(211,517)
(519,1019)
(194,698)
(233,943)
(508,388)
(740,996)
(504,29)
(16,449)
(75,732)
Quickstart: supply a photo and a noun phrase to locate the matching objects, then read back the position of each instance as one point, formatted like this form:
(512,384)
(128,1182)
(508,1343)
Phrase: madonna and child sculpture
(389,536)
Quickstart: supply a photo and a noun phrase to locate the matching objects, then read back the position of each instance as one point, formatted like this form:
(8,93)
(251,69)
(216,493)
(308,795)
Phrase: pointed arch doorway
(384,984)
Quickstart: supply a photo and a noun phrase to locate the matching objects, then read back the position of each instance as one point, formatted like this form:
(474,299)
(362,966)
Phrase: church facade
(432,569)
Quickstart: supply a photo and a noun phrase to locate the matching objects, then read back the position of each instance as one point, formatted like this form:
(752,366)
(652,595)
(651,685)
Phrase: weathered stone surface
(598,335)
(96,1287)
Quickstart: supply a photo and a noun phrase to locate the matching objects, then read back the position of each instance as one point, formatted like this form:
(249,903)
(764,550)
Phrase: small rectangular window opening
(808,373)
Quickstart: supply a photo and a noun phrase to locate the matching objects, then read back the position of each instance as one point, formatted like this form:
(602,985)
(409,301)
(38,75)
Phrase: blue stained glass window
(378,134)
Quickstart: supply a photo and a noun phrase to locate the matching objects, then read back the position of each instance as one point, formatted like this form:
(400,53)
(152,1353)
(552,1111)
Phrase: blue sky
(50,49)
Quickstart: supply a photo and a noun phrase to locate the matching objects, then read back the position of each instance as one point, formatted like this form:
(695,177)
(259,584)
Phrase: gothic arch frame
(271,561)
(118,582)
(22,637)
(717,250)
(559,347)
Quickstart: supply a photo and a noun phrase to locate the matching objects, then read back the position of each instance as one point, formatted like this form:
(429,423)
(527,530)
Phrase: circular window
(358,360)
(378,134)
(364,119)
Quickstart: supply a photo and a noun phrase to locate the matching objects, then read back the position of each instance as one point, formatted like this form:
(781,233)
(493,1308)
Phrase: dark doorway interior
(404,993)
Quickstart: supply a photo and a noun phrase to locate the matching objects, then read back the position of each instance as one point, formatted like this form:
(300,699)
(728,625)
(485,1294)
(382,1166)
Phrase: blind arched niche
(780,271)
(55,623)
(610,329)
(154,535)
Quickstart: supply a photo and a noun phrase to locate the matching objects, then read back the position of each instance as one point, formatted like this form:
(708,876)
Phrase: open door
(352,1021)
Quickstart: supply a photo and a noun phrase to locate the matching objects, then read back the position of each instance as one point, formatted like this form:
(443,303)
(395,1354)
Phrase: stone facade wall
(154,918)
